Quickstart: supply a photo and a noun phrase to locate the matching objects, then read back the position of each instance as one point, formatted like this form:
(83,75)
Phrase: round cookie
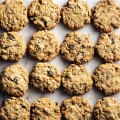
(43,46)
(13,15)
(15,109)
(45,77)
(14,80)
(12,46)
(76,108)
(107,78)
(44,14)
(107,108)
(77,48)
(45,109)
(76,80)
(76,14)
(106,15)
(108,47)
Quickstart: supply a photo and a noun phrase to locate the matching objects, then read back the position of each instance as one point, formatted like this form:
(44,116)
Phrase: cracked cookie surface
(12,46)
(77,48)
(76,80)
(76,108)
(76,14)
(13,15)
(44,14)
(106,15)
(107,78)
(108,47)
(14,80)
(107,108)
(43,46)
(45,77)
(15,109)
(45,109)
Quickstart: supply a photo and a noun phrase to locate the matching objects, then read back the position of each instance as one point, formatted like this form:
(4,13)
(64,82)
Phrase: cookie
(45,109)
(107,78)
(107,108)
(76,108)
(76,14)
(43,46)
(44,14)
(15,109)
(108,47)
(76,80)
(106,15)
(45,77)
(77,48)
(12,46)
(13,15)
(14,80)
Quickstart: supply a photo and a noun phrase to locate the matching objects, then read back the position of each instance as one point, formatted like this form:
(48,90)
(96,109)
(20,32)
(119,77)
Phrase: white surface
(60,31)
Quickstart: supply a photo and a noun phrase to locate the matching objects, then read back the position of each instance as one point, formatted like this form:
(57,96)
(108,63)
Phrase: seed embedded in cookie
(76,14)
(77,48)
(13,15)
(43,46)
(12,46)
(44,14)
(107,108)
(106,15)
(107,78)
(76,80)
(45,77)
(15,109)
(76,108)
(14,80)
(108,47)
(45,109)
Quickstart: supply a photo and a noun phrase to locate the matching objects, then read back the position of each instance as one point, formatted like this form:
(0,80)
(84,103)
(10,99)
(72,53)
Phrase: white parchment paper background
(60,31)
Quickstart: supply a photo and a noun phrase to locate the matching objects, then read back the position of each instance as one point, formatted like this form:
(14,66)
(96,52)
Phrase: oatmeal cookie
(77,48)
(15,109)
(107,108)
(76,80)
(12,46)
(44,14)
(76,14)
(45,77)
(45,109)
(107,78)
(76,108)
(43,46)
(106,15)
(108,47)
(14,80)
(13,15)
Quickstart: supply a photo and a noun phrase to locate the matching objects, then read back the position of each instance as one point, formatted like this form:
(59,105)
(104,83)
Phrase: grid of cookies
(76,49)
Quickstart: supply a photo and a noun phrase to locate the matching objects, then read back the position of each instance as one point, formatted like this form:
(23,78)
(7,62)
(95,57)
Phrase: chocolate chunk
(71,46)
(50,73)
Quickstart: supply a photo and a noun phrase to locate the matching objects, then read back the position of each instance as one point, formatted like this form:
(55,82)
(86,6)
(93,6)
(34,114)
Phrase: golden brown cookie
(107,78)
(107,108)
(108,47)
(13,15)
(43,46)
(77,48)
(106,15)
(76,80)
(12,46)
(15,109)
(76,108)
(76,14)
(45,109)
(14,80)
(45,77)
(44,14)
